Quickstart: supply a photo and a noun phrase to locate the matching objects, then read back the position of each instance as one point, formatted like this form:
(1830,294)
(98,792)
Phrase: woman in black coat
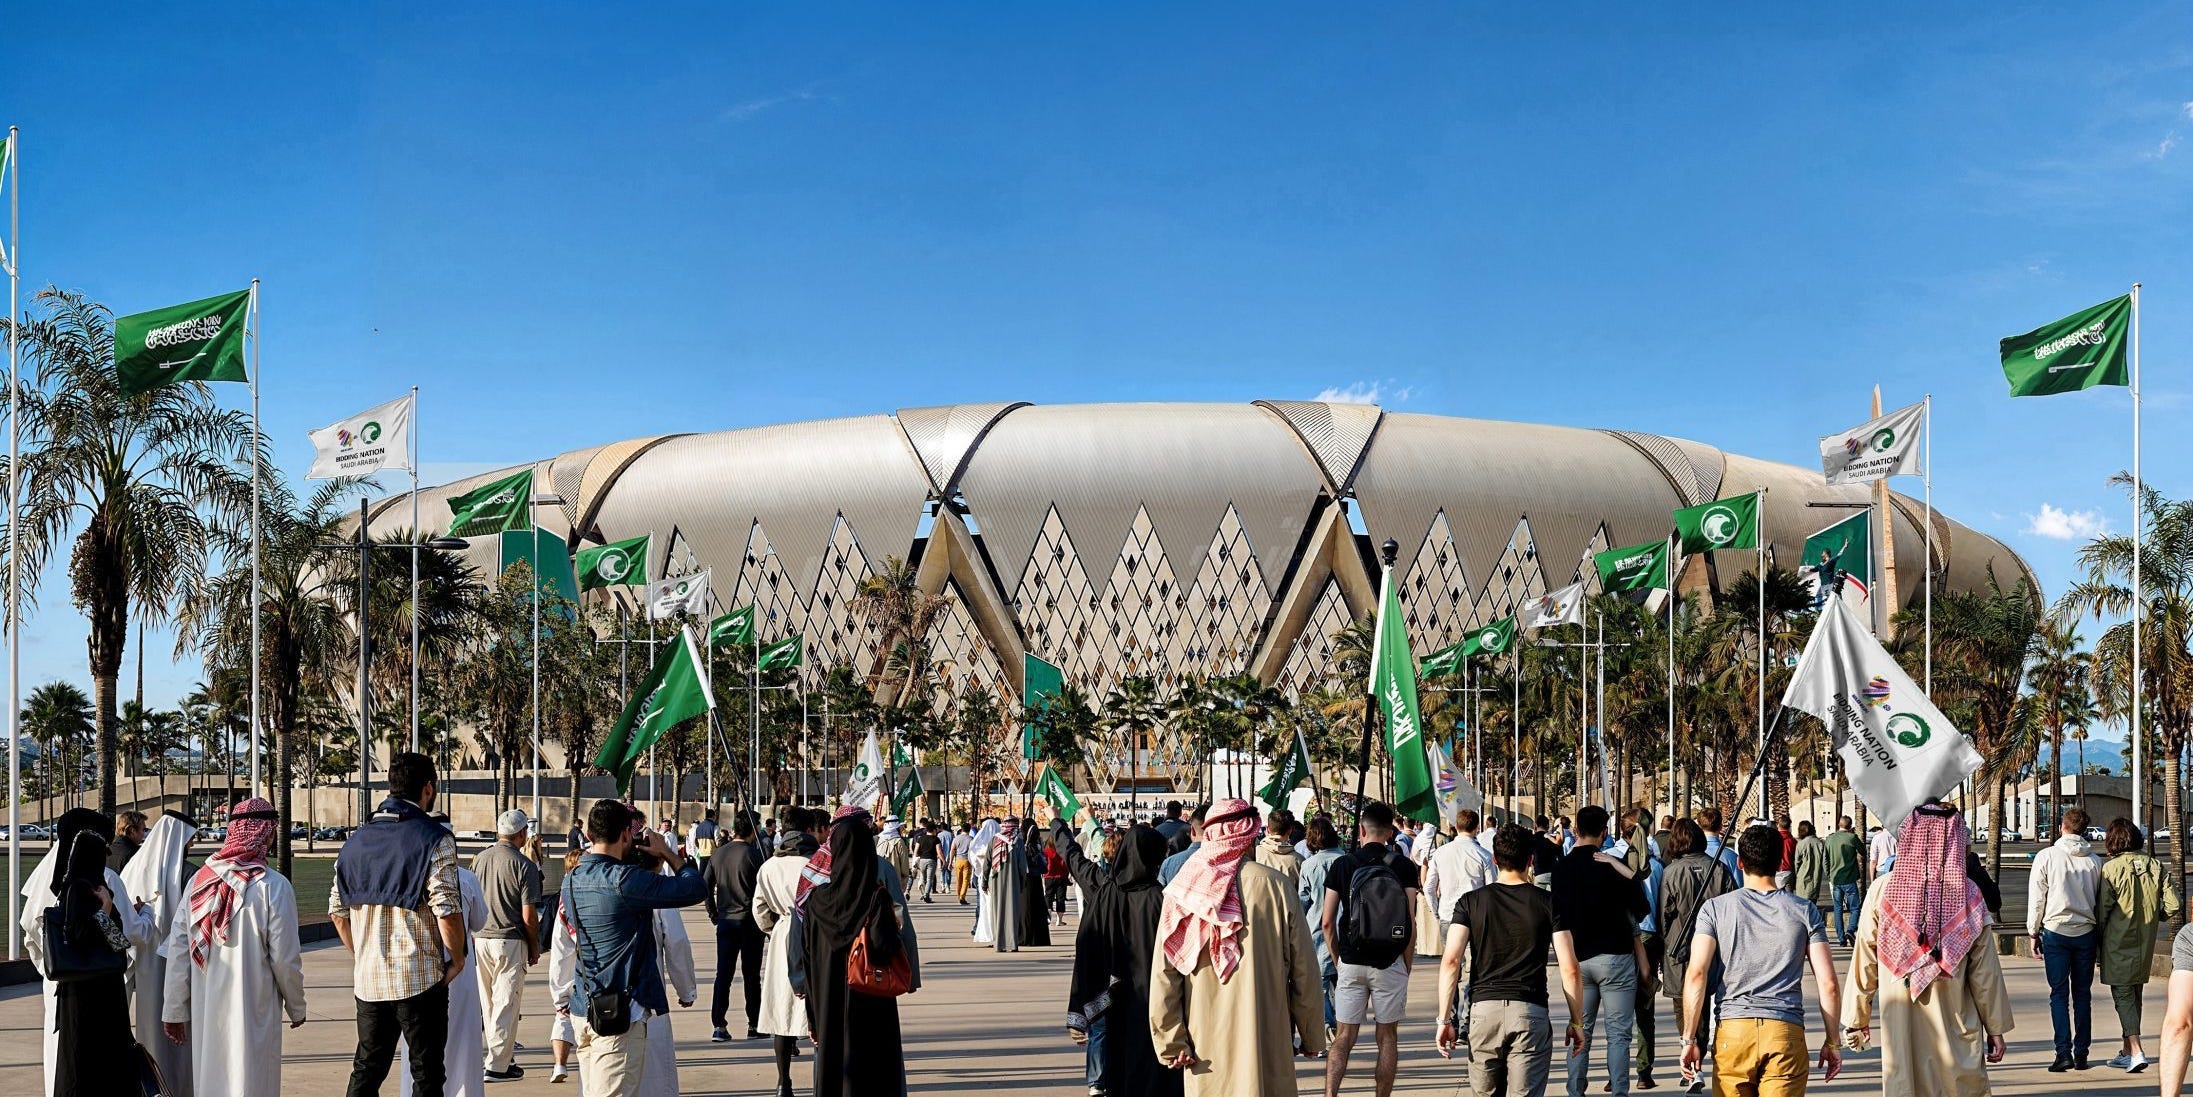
(97,1053)
(1112,957)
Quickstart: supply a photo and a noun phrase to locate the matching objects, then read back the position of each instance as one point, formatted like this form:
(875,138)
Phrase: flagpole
(1606,769)
(415,539)
(251,328)
(753,711)
(15,583)
(1927,479)
(533,519)
(2139,601)
(1671,675)
(1515,710)
(1370,684)
(1759,577)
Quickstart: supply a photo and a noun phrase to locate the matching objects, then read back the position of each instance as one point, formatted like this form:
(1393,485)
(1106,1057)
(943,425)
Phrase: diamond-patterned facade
(963,657)
(1055,603)
(1309,663)
(1222,615)
(835,635)
(1435,592)
(1516,578)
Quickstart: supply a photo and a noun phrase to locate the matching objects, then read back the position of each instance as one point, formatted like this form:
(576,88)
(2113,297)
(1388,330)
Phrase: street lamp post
(364,544)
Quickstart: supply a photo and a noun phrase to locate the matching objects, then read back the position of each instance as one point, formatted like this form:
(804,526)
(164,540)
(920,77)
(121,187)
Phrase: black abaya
(858,1049)
(1112,955)
(95,1051)
(1032,920)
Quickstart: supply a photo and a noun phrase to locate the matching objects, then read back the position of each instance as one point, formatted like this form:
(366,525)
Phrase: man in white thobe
(38,895)
(159,877)
(464,1057)
(234,970)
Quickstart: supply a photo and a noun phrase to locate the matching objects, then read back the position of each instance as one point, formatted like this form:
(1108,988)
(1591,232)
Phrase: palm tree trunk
(103,690)
(1995,828)
(2173,792)
(2055,778)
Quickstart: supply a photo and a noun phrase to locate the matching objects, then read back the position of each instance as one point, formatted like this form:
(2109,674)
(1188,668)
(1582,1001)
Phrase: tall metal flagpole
(533,518)
(415,539)
(1926,478)
(14,255)
(1671,676)
(1515,709)
(251,328)
(1759,577)
(1606,767)
(753,711)
(2139,593)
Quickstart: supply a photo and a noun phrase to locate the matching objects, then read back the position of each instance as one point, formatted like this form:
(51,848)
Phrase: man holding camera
(619,981)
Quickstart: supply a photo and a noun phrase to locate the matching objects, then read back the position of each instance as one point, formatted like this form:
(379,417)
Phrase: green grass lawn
(314,873)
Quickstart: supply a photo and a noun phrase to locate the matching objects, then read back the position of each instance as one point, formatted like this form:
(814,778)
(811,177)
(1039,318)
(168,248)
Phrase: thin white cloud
(1364,392)
(2066,525)
(2186,110)
(747,109)
(2162,148)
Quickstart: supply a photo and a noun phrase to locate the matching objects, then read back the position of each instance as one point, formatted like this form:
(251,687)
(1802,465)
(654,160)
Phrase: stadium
(1171,539)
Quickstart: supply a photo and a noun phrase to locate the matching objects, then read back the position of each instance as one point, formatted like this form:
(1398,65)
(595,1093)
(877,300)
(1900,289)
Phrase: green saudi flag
(2080,351)
(1731,523)
(1053,787)
(1287,773)
(1490,640)
(492,507)
(1443,662)
(1393,684)
(1041,682)
(617,564)
(674,691)
(1638,567)
(1842,551)
(735,627)
(199,341)
(909,790)
(786,654)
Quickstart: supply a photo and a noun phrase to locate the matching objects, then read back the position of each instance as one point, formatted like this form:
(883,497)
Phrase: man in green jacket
(1846,859)
(1810,864)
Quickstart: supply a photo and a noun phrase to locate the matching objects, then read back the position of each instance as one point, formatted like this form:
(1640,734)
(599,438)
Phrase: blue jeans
(1328,973)
(2070,963)
(1094,1069)
(1847,902)
(1610,988)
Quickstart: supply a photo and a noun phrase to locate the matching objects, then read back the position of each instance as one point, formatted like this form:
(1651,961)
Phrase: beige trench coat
(1935,1046)
(782,1012)
(1244,1032)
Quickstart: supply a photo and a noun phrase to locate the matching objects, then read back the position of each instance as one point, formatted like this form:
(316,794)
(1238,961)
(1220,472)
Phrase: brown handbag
(877,965)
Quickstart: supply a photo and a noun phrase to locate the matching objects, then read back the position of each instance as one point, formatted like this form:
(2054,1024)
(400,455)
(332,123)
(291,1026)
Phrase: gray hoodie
(2064,888)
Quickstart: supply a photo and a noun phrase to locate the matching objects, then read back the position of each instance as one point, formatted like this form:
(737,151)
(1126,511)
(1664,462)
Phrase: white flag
(1898,749)
(374,439)
(1454,790)
(678,594)
(1560,607)
(866,780)
(1888,446)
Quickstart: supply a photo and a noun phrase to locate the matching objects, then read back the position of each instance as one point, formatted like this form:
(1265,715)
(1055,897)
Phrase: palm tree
(1131,712)
(132,487)
(980,717)
(2059,671)
(1983,642)
(56,716)
(304,638)
(904,614)
(495,674)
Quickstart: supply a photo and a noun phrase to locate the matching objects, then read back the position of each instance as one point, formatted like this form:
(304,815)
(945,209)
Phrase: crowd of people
(1216,947)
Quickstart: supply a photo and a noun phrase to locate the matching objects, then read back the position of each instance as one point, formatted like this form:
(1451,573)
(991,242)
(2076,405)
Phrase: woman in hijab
(96,1053)
(1008,887)
(39,893)
(1428,934)
(1944,1008)
(1112,958)
(841,891)
(1035,920)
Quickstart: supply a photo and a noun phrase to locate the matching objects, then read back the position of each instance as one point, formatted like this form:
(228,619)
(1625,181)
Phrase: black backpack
(1375,927)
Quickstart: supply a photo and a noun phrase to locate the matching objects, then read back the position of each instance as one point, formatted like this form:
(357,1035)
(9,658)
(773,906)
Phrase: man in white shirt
(2062,896)
(1458,868)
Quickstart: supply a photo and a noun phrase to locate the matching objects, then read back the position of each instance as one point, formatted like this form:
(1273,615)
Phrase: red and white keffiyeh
(816,872)
(1202,908)
(241,859)
(1931,913)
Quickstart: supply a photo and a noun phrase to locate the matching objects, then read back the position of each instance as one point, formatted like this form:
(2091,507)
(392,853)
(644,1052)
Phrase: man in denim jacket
(612,906)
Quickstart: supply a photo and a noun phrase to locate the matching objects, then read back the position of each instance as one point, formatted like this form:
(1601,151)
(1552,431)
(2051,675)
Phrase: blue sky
(570,223)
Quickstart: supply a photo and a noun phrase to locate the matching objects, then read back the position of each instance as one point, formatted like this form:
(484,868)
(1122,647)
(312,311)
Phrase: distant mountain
(2100,754)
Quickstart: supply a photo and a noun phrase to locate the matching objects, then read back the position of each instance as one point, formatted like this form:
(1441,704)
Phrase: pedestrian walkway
(995,1023)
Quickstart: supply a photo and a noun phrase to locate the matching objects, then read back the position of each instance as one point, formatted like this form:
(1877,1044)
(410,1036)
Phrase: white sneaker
(2135,1064)
(558,1074)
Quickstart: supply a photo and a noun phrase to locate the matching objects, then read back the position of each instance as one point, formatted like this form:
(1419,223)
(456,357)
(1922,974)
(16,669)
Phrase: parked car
(2096,834)
(214,834)
(298,831)
(331,834)
(2010,835)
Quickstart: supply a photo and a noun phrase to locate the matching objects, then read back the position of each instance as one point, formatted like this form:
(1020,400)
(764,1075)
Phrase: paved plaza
(993,1023)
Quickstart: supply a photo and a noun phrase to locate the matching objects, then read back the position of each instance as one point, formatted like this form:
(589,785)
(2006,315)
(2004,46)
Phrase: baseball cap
(511,822)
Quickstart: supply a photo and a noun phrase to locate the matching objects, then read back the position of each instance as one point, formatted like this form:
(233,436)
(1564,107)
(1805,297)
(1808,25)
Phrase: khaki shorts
(1369,995)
